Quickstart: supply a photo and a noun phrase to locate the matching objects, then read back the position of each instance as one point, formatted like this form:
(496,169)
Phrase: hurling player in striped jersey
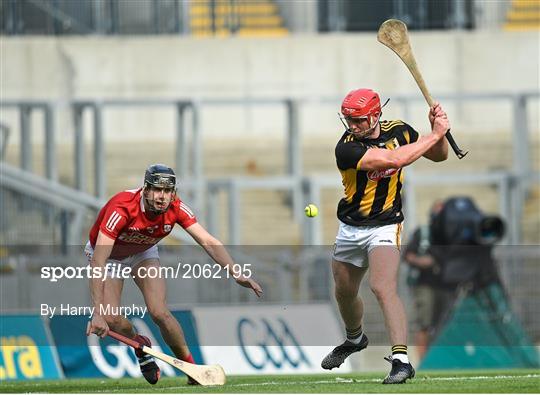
(371,155)
(126,232)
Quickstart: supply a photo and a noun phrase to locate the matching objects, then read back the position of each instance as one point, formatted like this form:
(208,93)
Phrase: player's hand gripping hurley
(203,374)
(393,34)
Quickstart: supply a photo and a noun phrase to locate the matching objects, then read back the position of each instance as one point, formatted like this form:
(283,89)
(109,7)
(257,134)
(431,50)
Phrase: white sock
(400,352)
(357,340)
(402,357)
(355,336)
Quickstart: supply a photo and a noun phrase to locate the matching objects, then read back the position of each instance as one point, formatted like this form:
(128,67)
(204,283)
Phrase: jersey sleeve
(348,155)
(184,215)
(114,220)
(411,135)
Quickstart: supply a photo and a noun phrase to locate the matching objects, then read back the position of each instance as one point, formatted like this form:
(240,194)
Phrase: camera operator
(462,236)
(432,297)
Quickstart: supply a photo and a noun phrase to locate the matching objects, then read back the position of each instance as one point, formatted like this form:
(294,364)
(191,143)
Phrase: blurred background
(241,98)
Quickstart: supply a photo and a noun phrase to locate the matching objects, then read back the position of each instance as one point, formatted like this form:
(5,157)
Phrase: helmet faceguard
(160,177)
(361,105)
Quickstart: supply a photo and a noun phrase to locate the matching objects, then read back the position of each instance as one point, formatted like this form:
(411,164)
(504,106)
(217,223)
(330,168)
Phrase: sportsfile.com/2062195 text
(117,270)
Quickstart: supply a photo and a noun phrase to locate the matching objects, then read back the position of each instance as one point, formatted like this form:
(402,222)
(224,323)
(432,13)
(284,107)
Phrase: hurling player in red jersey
(370,156)
(126,232)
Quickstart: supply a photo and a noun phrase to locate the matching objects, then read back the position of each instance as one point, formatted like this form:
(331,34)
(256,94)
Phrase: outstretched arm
(217,251)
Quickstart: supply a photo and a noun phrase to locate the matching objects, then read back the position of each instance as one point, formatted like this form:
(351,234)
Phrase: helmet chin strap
(374,125)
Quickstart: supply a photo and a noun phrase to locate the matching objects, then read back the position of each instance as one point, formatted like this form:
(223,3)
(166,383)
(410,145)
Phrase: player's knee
(383,291)
(345,293)
(160,315)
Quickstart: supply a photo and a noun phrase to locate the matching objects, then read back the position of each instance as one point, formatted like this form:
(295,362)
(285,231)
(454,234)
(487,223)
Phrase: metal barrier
(510,198)
(94,17)
(311,186)
(233,187)
(56,195)
(4,139)
(192,174)
(193,179)
(520,145)
(26,109)
(97,108)
(77,203)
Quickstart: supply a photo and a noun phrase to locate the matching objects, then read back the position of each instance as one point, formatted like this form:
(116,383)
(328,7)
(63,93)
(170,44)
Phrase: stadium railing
(189,155)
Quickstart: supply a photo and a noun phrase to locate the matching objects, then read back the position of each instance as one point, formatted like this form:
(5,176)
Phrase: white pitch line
(343,380)
(360,381)
(527,376)
(339,380)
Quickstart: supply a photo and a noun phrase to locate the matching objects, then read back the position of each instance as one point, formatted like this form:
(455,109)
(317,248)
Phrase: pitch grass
(493,381)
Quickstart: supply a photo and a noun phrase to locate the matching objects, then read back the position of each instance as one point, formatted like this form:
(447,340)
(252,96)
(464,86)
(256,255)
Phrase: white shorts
(131,261)
(354,243)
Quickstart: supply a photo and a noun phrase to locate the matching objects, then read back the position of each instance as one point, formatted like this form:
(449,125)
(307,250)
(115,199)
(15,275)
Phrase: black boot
(399,373)
(339,354)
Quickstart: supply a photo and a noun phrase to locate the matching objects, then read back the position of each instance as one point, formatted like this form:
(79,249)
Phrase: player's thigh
(112,291)
(384,264)
(112,295)
(112,288)
(347,277)
(152,284)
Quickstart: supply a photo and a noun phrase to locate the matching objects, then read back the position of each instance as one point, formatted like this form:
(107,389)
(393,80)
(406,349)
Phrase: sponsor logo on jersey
(138,238)
(167,228)
(376,175)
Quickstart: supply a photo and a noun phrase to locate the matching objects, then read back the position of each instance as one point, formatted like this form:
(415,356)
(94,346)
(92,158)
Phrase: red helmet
(361,103)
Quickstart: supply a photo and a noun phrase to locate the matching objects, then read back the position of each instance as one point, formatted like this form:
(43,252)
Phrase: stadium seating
(523,15)
(242,17)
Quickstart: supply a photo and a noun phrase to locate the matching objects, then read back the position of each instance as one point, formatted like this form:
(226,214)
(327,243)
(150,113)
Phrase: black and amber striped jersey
(372,198)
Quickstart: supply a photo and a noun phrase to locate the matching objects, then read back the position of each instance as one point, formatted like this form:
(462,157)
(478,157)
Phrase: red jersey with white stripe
(124,219)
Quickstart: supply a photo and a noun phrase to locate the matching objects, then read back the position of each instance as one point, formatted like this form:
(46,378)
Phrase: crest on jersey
(167,228)
(151,229)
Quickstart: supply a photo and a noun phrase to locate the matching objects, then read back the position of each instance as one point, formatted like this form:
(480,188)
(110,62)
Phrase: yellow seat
(523,15)
(246,18)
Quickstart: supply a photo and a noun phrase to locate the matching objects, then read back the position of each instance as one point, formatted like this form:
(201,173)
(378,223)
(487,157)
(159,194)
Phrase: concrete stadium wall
(304,66)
